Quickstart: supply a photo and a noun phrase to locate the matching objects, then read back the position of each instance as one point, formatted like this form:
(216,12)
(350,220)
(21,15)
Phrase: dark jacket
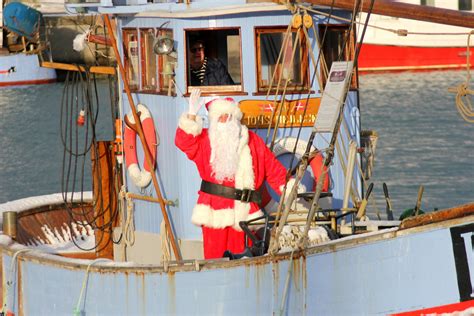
(216,75)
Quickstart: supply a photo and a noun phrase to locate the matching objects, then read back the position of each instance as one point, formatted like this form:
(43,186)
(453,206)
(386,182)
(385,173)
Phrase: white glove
(195,102)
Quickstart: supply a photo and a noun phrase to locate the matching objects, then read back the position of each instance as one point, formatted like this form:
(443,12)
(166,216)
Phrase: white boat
(147,256)
(21,67)
(398,44)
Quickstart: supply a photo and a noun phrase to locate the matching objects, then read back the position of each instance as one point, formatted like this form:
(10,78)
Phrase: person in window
(206,71)
(231,160)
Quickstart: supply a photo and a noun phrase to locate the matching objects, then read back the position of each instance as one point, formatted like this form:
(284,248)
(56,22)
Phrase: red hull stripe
(26,82)
(386,58)
(451,308)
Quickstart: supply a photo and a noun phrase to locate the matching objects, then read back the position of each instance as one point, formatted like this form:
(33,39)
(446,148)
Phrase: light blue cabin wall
(178,176)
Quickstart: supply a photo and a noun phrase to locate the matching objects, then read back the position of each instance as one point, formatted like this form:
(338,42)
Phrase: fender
(141,178)
(286,146)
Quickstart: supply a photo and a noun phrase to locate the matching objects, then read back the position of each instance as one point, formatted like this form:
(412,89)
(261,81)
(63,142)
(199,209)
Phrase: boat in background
(398,44)
(130,247)
(19,61)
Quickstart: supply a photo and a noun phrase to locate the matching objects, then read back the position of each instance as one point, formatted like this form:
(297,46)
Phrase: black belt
(244,195)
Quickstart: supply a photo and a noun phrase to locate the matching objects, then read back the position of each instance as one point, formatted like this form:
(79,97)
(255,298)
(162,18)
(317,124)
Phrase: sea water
(422,140)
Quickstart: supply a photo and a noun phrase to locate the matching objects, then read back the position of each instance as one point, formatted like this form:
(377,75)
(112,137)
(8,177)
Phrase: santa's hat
(217,106)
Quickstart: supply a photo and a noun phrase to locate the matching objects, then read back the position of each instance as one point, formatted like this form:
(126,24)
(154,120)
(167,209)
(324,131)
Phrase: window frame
(349,50)
(304,60)
(159,87)
(126,57)
(237,89)
(466,6)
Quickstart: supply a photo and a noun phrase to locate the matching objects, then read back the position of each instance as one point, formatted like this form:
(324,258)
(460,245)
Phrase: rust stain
(19,286)
(276,281)
(171,292)
(2,274)
(305,280)
(141,280)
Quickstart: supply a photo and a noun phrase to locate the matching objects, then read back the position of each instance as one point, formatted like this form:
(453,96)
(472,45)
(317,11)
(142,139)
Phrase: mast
(405,10)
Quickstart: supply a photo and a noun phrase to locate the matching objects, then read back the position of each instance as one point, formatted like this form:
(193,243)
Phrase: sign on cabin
(333,95)
(259,113)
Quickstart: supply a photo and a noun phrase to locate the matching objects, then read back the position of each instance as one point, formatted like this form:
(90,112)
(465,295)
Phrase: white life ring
(287,145)
(140,178)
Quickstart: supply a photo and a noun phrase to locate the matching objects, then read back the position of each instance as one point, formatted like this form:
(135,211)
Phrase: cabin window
(146,70)
(214,60)
(338,44)
(157,69)
(269,43)
(131,64)
(465,5)
(430,3)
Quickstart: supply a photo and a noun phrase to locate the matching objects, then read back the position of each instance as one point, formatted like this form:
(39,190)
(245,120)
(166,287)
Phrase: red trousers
(216,241)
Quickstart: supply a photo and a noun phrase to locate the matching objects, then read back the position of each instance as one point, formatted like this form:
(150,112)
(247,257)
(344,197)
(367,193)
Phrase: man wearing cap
(233,163)
(206,71)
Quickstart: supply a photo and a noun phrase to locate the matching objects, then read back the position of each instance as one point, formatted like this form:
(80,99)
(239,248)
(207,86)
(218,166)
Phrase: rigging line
(296,43)
(348,35)
(400,32)
(276,231)
(316,63)
(270,86)
(329,156)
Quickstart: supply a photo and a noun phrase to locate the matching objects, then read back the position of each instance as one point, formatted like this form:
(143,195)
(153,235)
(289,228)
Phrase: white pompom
(79,42)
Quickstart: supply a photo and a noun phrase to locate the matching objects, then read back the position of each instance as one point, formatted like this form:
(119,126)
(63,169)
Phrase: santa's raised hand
(195,102)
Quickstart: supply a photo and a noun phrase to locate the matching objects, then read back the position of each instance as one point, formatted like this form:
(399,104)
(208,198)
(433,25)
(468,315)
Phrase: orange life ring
(287,145)
(140,178)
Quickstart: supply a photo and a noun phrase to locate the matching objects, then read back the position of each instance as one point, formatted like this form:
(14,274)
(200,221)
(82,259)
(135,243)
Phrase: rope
(399,32)
(129,227)
(77,311)
(165,243)
(10,284)
(287,285)
(463,93)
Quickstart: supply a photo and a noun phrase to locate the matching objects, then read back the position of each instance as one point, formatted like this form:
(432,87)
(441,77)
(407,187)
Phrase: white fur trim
(193,127)
(241,213)
(221,106)
(204,215)
(289,186)
(244,176)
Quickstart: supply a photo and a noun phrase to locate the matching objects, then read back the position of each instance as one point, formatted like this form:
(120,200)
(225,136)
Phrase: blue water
(422,140)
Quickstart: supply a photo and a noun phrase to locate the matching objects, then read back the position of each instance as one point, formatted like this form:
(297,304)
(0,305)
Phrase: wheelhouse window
(214,61)
(130,41)
(465,5)
(338,44)
(270,41)
(150,60)
(430,3)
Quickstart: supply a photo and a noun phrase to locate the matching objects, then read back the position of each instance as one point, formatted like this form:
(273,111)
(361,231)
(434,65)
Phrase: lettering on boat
(462,238)
(259,113)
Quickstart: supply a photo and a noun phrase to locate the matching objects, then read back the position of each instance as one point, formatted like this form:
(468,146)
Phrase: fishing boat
(19,60)
(129,247)
(397,44)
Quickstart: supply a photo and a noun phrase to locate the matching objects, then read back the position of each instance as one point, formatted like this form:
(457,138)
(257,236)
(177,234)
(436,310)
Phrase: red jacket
(257,164)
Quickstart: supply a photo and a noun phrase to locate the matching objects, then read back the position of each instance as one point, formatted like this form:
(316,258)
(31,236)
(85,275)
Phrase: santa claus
(233,163)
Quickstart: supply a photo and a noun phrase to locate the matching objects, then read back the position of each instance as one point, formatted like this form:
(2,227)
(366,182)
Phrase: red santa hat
(217,106)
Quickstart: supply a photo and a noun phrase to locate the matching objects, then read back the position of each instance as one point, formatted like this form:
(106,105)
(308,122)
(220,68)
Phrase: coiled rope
(463,93)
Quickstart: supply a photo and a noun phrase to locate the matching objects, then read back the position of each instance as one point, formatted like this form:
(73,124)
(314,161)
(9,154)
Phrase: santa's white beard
(224,138)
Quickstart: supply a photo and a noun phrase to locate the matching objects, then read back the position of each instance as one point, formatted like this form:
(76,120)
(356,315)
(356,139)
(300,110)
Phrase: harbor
(231,159)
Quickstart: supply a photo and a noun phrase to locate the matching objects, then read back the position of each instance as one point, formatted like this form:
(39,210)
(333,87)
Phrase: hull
(379,58)
(428,46)
(22,69)
(386,272)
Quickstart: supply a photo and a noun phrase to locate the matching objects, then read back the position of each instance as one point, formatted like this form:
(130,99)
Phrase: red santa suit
(219,216)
